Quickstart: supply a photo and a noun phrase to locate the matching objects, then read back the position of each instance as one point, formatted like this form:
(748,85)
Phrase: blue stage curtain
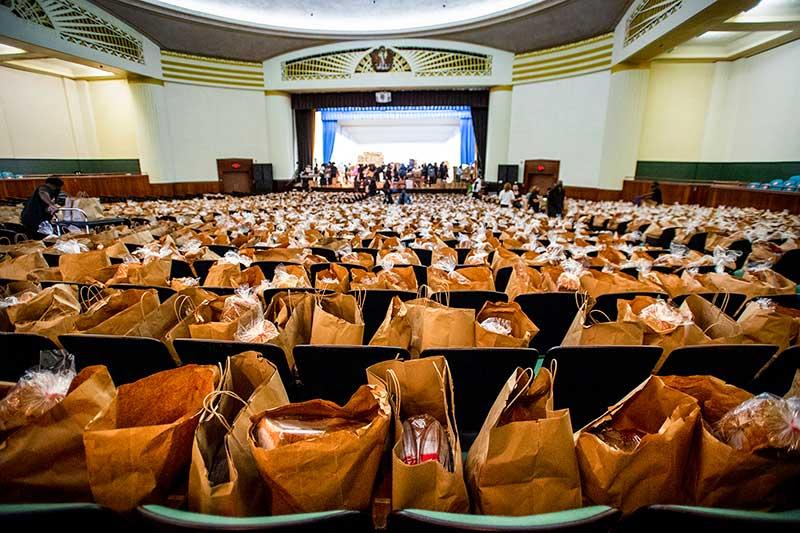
(328,138)
(467,141)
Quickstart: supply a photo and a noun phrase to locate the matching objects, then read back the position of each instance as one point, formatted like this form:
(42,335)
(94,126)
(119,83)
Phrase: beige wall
(114,119)
(677,104)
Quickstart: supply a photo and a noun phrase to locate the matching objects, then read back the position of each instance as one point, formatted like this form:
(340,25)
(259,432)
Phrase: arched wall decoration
(79,26)
(647,15)
(416,61)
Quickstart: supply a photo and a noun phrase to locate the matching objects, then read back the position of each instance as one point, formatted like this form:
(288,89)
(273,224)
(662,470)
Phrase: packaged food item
(33,395)
(281,431)
(243,300)
(257,330)
(501,326)
(763,422)
(625,440)
(424,439)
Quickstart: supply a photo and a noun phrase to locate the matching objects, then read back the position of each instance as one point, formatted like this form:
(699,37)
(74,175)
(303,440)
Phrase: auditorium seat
(589,379)
(552,312)
(327,253)
(744,246)
(157,518)
(375,304)
(686,518)
(201,268)
(501,278)
(371,251)
(606,304)
(697,242)
(212,352)
(180,269)
(128,358)
(777,376)
(663,240)
(268,267)
(469,299)
(47,516)
(20,351)
(736,364)
(478,377)
(334,372)
(220,291)
(222,249)
(425,256)
(594,519)
(789,265)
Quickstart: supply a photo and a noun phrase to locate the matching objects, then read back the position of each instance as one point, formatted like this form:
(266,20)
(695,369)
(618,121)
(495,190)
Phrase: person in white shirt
(506,196)
(476,187)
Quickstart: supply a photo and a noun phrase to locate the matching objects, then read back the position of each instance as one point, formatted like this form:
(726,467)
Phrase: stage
(454,188)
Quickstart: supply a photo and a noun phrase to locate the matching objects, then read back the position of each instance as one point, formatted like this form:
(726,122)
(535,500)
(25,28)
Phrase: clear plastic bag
(424,439)
(446,263)
(258,330)
(35,393)
(625,440)
(723,258)
(243,300)
(500,326)
(46,228)
(284,280)
(236,259)
(275,432)
(70,247)
(662,317)
(765,421)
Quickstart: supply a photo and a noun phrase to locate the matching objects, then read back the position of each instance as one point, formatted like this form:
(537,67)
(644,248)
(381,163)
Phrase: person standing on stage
(477,187)
(555,200)
(533,199)
(41,206)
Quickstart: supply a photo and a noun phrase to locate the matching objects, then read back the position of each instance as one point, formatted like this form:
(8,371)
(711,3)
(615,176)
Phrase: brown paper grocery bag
(333,471)
(128,319)
(395,330)
(142,441)
(523,461)
(417,387)
(719,475)
(398,278)
(223,275)
(291,312)
(478,278)
(334,278)
(53,302)
(337,319)
(434,325)
(219,483)
(108,307)
(45,460)
(712,320)
(522,328)
(154,272)
(602,333)
(18,268)
(653,471)
(159,322)
(767,323)
(83,267)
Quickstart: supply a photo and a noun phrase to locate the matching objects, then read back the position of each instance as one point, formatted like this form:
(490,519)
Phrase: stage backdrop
(440,133)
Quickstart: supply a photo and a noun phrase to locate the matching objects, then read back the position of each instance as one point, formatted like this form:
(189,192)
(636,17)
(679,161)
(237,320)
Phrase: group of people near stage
(361,176)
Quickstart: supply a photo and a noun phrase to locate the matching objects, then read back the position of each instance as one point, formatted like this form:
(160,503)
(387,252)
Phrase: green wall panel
(687,171)
(70,166)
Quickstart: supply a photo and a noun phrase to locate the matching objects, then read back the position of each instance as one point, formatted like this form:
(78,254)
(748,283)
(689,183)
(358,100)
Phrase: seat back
(686,518)
(164,293)
(697,242)
(478,377)
(469,299)
(374,305)
(777,376)
(334,372)
(48,516)
(327,253)
(789,265)
(19,352)
(595,519)
(167,520)
(181,269)
(552,312)
(501,278)
(268,267)
(128,358)
(425,256)
(212,352)
(592,378)
(735,364)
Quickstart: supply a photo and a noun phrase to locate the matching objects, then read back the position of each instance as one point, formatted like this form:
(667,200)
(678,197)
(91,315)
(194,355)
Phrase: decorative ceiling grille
(433,62)
(79,26)
(647,15)
(422,62)
(336,65)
